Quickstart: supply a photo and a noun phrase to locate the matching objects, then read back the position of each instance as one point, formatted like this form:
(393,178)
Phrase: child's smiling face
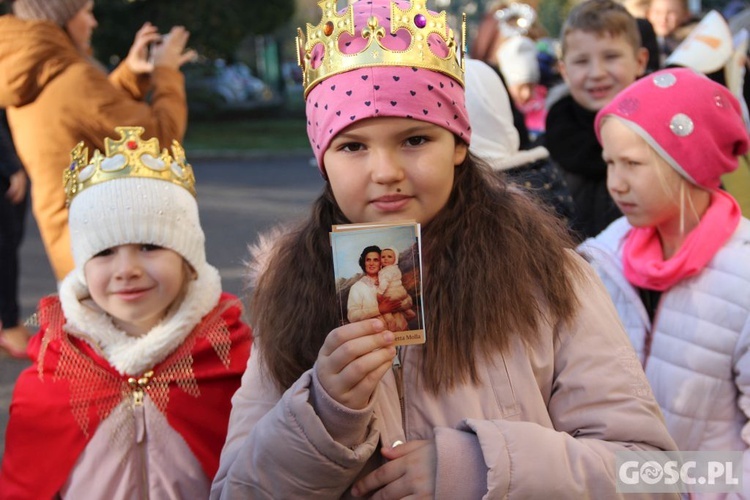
(135,284)
(387,257)
(596,67)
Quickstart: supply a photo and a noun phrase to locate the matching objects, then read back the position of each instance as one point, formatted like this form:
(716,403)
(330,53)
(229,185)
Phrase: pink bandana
(415,93)
(388,91)
(644,265)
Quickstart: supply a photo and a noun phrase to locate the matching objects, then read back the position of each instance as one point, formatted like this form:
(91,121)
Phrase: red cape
(59,402)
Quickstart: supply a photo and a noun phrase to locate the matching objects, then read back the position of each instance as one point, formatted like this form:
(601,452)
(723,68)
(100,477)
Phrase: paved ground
(237,199)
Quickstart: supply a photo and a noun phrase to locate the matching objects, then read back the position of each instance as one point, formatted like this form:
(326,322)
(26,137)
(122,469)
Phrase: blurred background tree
(217,27)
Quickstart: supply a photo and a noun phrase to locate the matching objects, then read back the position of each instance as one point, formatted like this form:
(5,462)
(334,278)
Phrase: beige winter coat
(544,423)
(56,97)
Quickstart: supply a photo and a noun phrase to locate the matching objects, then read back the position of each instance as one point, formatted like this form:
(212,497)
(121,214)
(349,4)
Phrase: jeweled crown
(130,156)
(420,22)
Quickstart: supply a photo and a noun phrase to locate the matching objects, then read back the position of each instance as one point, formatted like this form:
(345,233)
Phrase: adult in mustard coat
(57,95)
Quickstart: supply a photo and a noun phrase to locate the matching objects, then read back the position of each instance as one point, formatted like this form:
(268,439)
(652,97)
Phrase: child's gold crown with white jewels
(128,157)
(420,23)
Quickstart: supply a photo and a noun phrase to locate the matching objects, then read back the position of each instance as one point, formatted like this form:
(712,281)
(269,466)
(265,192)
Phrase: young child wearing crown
(138,357)
(527,384)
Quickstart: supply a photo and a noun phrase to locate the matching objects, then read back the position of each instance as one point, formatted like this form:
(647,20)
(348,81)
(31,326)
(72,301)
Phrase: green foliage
(552,14)
(216,26)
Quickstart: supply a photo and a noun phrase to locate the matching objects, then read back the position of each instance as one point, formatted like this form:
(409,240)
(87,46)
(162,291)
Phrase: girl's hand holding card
(353,359)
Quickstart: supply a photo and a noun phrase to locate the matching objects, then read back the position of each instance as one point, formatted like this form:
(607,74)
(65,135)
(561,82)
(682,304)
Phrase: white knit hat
(133,197)
(517,57)
(57,11)
(133,210)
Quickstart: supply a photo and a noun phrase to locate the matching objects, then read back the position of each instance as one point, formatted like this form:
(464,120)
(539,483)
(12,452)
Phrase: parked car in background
(291,74)
(216,87)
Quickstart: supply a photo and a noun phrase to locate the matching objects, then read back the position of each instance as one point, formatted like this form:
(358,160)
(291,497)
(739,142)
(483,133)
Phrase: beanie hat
(132,210)
(517,60)
(401,91)
(693,123)
(133,195)
(57,11)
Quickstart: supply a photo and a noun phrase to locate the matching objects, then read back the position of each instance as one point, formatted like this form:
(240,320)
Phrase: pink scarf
(643,261)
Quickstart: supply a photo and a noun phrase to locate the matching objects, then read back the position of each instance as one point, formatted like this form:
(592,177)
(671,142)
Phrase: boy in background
(667,16)
(601,54)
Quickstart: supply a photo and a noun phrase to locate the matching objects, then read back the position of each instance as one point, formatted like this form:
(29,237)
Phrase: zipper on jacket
(139,414)
(139,385)
(398,373)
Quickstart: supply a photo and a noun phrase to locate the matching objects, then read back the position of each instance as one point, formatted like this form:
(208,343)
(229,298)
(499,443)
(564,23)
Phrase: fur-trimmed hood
(134,355)
(260,254)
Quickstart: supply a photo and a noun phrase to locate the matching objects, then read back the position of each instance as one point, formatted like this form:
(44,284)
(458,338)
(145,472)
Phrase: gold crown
(130,156)
(420,23)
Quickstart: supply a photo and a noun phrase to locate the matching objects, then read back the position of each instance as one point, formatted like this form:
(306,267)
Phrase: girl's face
(81,26)
(372,263)
(387,257)
(391,169)
(135,284)
(642,184)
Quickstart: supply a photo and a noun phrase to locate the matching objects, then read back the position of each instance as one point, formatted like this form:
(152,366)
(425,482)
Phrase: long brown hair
(495,268)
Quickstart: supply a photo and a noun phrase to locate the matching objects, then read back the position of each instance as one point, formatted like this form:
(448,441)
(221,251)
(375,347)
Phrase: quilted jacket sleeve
(600,404)
(742,379)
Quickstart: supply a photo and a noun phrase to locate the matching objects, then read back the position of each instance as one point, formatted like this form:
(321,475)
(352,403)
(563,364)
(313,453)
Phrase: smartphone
(153,45)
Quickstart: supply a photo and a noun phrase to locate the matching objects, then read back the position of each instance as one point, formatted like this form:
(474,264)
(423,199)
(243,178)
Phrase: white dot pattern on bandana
(681,125)
(664,81)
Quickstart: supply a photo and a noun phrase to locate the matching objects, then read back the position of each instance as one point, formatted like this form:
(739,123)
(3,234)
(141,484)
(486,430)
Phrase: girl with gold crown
(137,359)
(527,384)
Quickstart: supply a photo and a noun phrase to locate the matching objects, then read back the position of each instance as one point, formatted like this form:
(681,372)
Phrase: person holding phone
(49,77)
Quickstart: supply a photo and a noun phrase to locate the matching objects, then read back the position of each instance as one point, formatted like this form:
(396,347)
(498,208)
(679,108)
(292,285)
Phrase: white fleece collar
(134,355)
